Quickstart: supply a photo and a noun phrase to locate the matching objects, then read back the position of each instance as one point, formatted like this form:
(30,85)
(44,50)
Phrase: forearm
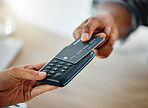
(120,15)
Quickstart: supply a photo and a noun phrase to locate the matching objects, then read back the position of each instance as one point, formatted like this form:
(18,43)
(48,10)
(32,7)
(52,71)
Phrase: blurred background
(62,17)
(39,29)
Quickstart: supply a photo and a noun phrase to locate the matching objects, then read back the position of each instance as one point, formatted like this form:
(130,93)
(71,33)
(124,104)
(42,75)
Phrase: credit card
(79,49)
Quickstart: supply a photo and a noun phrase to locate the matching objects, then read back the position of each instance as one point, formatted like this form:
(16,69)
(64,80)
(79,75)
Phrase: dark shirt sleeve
(138,10)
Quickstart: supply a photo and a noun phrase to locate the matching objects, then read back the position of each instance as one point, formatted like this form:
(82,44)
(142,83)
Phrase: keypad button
(48,67)
(62,63)
(62,70)
(55,69)
(52,72)
(57,75)
(68,64)
(49,75)
(51,64)
(58,66)
(65,67)
(55,61)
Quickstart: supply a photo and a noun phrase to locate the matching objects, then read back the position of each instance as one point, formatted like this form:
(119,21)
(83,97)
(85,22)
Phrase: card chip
(65,58)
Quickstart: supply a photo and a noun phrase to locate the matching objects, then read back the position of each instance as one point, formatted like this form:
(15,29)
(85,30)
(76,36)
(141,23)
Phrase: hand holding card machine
(70,61)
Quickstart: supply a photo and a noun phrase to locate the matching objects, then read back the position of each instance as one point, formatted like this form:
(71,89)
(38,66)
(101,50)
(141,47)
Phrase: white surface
(136,45)
(59,16)
(9,47)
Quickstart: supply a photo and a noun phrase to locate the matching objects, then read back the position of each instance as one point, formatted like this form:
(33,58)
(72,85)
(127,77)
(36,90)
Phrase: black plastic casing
(69,74)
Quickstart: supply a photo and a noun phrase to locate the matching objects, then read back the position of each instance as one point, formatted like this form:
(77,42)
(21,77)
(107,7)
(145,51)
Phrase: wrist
(120,16)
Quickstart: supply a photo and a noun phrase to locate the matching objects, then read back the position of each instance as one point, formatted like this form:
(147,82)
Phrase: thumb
(27,74)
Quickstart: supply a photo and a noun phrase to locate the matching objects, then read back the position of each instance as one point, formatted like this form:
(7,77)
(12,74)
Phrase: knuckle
(78,28)
(77,33)
(15,72)
(93,18)
(107,36)
(102,54)
(97,20)
(28,67)
(86,27)
(15,69)
(110,44)
(107,54)
(34,73)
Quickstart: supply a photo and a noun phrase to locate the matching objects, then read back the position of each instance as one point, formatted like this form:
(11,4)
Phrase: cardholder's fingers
(103,35)
(78,31)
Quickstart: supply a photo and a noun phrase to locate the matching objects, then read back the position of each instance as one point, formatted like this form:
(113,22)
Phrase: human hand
(102,25)
(18,84)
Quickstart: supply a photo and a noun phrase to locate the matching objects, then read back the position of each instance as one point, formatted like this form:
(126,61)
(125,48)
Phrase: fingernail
(42,73)
(85,36)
